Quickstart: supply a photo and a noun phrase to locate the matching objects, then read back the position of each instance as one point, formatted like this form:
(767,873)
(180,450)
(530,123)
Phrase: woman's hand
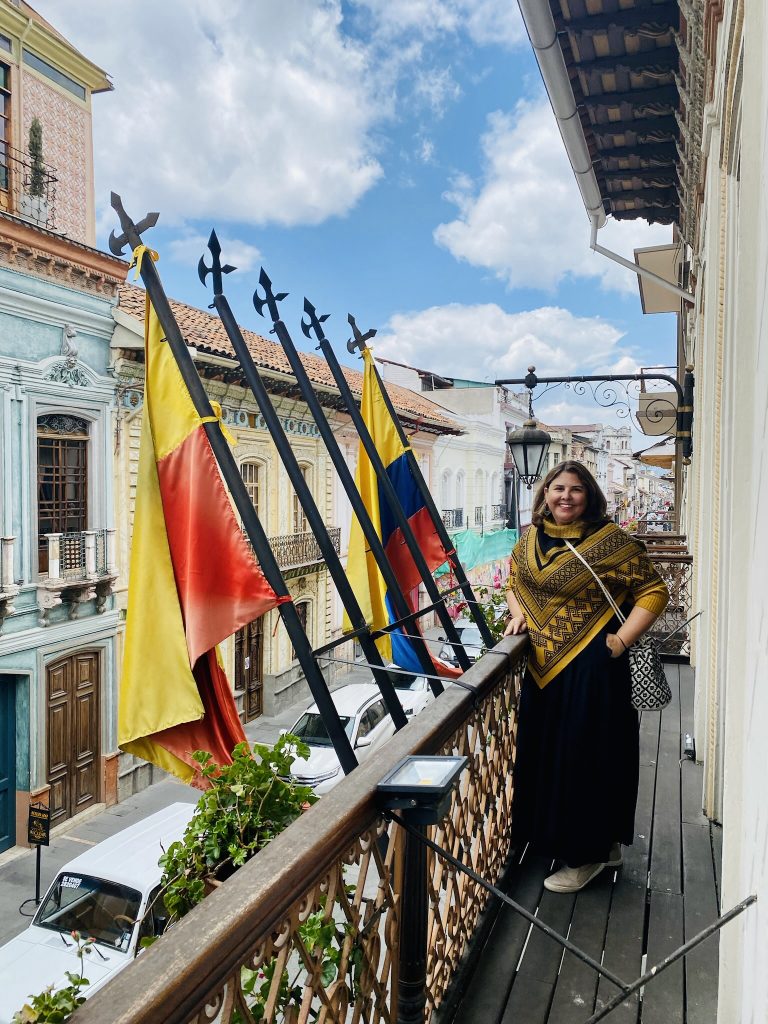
(614,644)
(516,624)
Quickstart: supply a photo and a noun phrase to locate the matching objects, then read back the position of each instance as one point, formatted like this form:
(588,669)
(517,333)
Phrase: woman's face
(566,498)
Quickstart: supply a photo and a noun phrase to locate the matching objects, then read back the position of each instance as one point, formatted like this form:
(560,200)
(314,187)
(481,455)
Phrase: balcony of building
(27,188)
(485,962)
(75,568)
(453,518)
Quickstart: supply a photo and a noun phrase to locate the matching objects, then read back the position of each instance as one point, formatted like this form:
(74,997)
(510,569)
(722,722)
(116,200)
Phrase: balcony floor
(667,891)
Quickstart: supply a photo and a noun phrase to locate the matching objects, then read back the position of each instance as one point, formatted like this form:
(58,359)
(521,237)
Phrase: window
(33,61)
(300,524)
(5,122)
(6,44)
(250,472)
(302,610)
(62,478)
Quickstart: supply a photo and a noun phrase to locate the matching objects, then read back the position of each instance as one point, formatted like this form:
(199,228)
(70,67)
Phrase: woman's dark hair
(597,507)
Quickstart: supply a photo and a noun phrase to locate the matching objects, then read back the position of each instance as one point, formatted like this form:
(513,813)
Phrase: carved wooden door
(73,734)
(249,657)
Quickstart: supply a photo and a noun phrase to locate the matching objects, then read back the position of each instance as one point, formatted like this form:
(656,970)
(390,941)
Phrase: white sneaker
(615,857)
(572,879)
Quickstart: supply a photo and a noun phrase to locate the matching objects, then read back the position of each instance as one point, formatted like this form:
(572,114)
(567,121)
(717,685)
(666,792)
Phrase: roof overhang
(617,86)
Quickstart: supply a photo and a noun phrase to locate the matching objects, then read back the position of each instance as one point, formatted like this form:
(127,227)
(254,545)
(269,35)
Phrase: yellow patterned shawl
(563,605)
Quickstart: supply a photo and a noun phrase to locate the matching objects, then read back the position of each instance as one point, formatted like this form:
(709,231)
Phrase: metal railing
(32,193)
(453,518)
(497,512)
(676,569)
(85,555)
(294,550)
(479,515)
(344,862)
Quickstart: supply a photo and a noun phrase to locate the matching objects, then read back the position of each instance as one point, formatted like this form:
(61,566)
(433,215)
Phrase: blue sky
(392,158)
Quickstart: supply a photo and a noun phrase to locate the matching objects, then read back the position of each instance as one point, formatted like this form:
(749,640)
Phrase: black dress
(577,765)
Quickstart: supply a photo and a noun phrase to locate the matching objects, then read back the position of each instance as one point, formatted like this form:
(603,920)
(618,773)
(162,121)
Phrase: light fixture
(529,444)
(421,787)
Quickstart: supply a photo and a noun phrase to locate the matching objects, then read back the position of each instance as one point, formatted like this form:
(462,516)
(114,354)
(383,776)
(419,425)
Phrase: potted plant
(33,203)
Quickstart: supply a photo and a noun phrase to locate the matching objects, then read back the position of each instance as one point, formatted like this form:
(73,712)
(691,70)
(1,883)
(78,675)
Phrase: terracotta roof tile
(206,333)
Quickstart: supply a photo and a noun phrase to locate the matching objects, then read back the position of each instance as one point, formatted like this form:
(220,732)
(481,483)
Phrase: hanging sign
(38,824)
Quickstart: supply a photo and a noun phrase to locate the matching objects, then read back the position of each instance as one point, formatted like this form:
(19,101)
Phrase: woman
(576,771)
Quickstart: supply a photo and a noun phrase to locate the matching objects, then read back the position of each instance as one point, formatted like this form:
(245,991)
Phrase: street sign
(38,824)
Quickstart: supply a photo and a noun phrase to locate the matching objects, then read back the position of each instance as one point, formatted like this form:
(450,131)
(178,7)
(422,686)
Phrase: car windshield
(104,911)
(404,680)
(311,729)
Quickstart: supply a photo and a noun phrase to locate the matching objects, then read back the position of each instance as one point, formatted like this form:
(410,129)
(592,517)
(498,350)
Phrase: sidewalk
(17,866)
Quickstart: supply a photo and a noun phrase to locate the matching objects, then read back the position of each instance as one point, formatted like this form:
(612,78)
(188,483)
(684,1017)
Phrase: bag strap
(602,586)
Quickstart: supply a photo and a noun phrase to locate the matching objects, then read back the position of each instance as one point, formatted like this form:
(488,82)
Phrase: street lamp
(420,788)
(529,444)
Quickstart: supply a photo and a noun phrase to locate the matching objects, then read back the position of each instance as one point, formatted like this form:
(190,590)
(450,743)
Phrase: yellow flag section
(193,582)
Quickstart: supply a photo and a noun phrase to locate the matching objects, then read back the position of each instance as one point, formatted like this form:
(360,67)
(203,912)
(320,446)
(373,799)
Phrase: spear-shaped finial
(270,300)
(315,322)
(131,232)
(359,340)
(216,269)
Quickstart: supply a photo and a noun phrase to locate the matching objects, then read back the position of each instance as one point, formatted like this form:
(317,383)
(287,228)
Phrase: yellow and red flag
(194,581)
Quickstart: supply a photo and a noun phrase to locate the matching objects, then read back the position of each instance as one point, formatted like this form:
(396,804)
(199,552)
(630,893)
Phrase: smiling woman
(576,772)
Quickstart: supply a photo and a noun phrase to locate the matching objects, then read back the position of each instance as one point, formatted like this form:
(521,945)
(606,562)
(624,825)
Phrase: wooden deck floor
(666,892)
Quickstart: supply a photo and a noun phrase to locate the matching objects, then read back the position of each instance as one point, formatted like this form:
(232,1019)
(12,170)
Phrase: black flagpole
(295,475)
(252,525)
(466,587)
(452,636)
(402,609)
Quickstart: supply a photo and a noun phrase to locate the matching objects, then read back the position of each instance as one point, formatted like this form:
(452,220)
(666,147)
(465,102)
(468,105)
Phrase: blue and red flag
(362,570)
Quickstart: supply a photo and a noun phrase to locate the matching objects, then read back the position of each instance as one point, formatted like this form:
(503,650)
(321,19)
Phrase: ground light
(420,789)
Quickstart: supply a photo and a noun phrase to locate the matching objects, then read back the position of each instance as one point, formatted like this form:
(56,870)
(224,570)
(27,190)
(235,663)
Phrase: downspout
(636,268)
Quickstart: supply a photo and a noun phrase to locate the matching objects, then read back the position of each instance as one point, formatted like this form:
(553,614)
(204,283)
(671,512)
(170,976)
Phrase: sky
(396,159)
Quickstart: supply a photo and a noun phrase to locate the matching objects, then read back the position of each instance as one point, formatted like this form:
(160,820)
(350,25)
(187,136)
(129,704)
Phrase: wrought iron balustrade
(453,518)
(335,862)
(676,569)
(497,513)
(80,567)
(479,515)
(296,550)
(29,193)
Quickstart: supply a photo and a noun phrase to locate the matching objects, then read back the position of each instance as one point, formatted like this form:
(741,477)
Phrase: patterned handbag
(650,689)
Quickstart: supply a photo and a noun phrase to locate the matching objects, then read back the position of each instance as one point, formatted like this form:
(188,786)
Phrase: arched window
(445,490)
(460,496)
(303,611)
(62,478)
(299,520)
(251,473)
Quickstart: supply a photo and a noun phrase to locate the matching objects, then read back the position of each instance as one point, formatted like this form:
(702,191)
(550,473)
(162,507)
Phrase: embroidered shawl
(563,605)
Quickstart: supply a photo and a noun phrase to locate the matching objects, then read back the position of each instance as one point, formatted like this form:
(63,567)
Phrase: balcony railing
(497,513)
(29,195)
(453,518)
(676,569)
(479,515)
(343,860)
(81,568)
(299,550)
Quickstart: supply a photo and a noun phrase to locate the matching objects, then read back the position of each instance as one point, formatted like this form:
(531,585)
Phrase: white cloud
(260,112)
(435,89)
(525,220)
(484,342)
(190,246)
(486,22)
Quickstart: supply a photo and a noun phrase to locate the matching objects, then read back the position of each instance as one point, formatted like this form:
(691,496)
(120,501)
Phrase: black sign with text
(38,824)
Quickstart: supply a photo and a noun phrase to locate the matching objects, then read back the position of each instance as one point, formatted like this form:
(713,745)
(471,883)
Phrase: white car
(366,721)
(107,894)
(470,637)
(414,691)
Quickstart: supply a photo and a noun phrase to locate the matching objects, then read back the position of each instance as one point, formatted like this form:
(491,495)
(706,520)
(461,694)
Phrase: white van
(108,894)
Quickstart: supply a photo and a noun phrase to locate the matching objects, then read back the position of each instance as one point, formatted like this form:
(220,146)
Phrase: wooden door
(73,734)
(7,764)
(249,651)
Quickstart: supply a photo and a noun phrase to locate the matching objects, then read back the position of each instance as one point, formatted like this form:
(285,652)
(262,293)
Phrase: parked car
(469,635)
(108,894)
(366,721)
(414,691)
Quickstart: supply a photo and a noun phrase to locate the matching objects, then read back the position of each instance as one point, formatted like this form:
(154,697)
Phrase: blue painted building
(58,624)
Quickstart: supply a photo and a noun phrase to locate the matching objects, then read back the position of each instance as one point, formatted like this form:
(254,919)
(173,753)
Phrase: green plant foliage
(248,803)
(55,1006)
(37,170)
(495,610)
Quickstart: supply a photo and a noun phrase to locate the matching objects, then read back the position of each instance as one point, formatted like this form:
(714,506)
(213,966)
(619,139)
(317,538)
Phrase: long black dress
(576,771)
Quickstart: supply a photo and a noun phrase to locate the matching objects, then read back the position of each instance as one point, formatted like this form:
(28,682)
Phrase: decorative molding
(69,373)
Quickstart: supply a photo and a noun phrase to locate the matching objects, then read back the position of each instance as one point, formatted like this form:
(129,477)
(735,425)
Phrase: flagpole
(390,493)
(402,609)
(252,525)
(295,475)
(437,520)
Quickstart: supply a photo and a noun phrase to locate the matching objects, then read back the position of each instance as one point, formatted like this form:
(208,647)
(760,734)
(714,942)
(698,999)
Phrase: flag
(362,570)
(193,582)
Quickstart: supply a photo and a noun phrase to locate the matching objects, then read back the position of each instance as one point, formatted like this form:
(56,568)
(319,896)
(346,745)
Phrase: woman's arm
(517,623)
(637,622)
